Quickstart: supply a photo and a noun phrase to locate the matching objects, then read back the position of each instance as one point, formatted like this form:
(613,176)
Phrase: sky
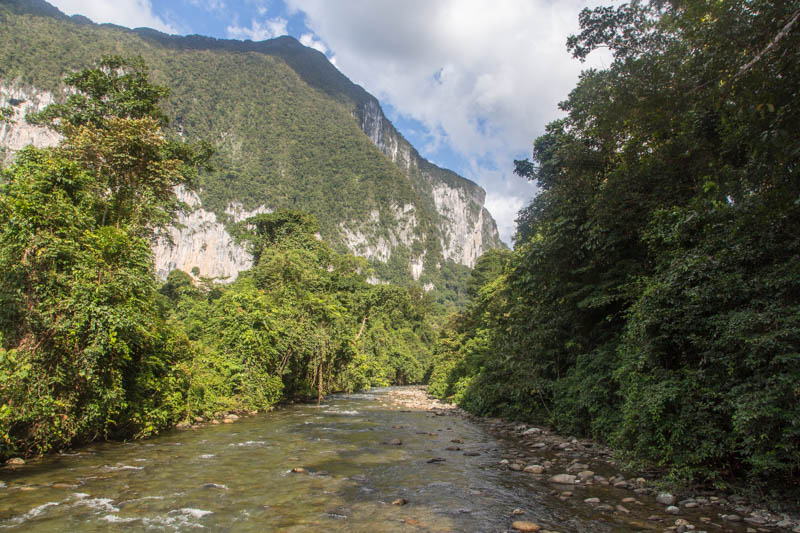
(470,83)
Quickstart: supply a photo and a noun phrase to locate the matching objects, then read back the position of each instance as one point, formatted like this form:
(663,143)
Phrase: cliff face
(290,131)
(467,228)
(17,135)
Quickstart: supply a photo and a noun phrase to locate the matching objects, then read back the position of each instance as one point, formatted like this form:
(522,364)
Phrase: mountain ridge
(307,152)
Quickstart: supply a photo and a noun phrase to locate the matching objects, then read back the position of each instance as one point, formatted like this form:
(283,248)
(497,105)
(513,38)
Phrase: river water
(238,478)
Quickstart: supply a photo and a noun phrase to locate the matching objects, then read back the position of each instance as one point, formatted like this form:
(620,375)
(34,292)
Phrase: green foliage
(652,298)
(301,323)
(87,349)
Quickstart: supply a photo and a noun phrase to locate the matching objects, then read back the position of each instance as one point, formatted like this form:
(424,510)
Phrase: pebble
(564,479)
(665,498)
(591,500)
(522,525)
(516,467)
(585,474)
(732,517)
(622,509)
(534,469)
(672,509)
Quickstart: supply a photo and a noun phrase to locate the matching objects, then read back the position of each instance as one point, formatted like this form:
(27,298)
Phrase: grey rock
(665,498)
(672,510)
(564,479)
(732,517)
(534,469)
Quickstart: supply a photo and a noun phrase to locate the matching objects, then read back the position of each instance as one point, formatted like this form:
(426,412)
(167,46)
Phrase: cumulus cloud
(308,39)
(258,31)
(128,13)
(210,5)
(484,78)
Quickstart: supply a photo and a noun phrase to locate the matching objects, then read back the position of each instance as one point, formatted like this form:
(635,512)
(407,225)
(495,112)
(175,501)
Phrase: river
(355,455)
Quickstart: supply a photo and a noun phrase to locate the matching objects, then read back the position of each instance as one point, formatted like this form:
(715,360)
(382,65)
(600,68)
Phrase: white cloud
(483,77)
(128,13)
(258,31)
(308,39)
(210,5)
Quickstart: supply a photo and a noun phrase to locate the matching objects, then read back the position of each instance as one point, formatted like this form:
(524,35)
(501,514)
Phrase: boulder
(523,525)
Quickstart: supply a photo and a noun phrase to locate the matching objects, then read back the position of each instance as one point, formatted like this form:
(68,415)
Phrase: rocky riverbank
(584,472)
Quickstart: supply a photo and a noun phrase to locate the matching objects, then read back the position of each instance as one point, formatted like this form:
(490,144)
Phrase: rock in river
(522,525)
(665,498)
(563,479)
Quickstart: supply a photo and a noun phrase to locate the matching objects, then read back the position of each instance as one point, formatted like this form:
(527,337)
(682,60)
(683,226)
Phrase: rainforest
(651,301)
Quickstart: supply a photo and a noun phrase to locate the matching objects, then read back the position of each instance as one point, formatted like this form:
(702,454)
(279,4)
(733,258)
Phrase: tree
(87,348)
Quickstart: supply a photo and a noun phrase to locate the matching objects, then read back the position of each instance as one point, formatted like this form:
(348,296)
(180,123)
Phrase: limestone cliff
(18,134)
(467,228)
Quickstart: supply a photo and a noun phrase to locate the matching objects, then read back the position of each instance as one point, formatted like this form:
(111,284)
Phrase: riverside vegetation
(652,300)
(94,348)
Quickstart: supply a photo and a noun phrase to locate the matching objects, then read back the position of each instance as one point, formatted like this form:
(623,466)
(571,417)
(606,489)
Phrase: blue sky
(471,83)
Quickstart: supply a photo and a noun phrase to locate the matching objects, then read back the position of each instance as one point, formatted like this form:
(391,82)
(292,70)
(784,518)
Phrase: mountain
(290,131)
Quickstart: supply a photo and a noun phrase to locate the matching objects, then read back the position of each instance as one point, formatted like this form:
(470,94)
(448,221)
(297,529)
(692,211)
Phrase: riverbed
(366,462)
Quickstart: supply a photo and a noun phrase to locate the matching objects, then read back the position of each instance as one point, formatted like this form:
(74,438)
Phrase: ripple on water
(195,513)
(117,468)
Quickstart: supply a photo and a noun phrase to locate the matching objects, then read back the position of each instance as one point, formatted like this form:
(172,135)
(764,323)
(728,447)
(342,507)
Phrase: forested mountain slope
(289,131)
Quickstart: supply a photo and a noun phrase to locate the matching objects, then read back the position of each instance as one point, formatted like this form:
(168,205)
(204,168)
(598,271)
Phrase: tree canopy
(653,297)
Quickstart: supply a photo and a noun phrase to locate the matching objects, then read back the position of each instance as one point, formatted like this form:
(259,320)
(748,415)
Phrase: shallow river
(239,478)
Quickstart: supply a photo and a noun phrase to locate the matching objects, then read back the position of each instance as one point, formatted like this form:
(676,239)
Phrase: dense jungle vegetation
(93,346)
(653,297)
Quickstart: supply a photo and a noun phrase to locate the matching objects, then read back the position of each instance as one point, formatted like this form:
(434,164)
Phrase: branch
(781,34)
(360,331)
